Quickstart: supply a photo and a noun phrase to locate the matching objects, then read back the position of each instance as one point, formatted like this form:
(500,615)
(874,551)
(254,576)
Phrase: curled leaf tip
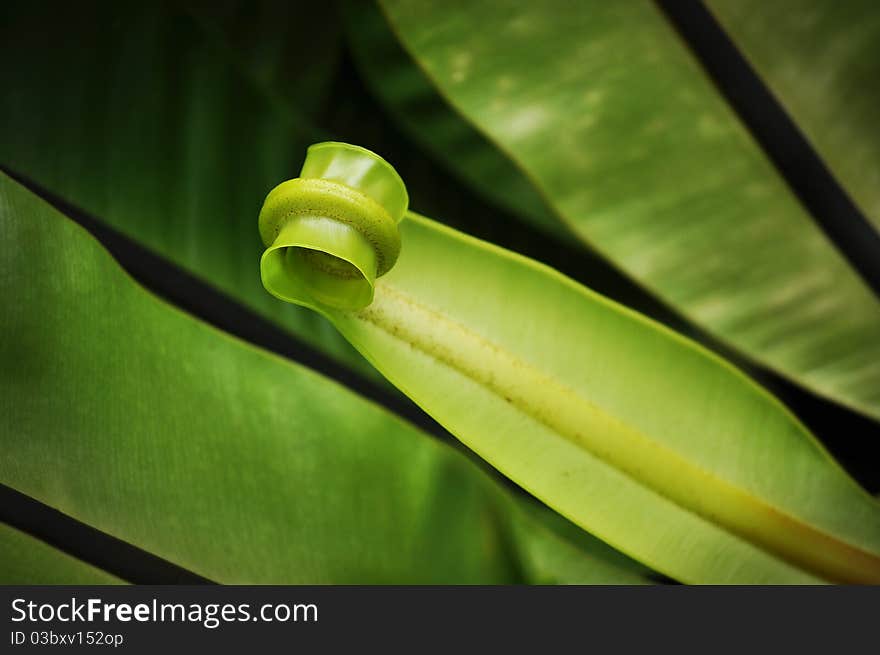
(333,230)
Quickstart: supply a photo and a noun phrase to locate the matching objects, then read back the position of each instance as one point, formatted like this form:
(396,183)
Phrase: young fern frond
(332,232)
(635,433)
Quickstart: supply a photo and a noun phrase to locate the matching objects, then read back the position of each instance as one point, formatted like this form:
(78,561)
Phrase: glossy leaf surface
(822,60)
(606,113)
(132,417)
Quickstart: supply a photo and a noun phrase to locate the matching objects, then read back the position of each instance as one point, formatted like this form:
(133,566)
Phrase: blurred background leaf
(290,54)
(822,60)
(136,115)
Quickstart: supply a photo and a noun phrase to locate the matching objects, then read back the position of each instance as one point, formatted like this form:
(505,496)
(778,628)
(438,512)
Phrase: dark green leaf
(134,114)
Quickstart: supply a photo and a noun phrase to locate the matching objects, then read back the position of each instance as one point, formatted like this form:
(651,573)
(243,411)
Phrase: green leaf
(291,57)
(132,417)
(410,96)
(133,113)
(636,434)
(820,60)
(25,560)
(603,110)
(555,554)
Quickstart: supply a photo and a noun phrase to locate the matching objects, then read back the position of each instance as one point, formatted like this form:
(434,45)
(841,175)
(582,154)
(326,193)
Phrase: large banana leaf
(821,61)
(131,416)
(605,112)
(634,433)
(25,560)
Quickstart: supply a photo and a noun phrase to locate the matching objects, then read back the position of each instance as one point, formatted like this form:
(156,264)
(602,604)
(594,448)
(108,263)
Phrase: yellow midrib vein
(649,463)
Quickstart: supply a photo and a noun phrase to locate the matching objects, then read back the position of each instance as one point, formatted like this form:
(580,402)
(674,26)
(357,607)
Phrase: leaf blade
(817,58)
(546,381)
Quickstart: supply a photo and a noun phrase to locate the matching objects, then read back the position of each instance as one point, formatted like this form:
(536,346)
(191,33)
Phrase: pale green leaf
(636,434)
(639,436)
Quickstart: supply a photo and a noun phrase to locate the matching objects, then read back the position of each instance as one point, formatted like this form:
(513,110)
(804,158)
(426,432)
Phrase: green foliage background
(591,125)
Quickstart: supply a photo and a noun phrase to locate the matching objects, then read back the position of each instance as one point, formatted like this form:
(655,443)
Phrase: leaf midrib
(649,463)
